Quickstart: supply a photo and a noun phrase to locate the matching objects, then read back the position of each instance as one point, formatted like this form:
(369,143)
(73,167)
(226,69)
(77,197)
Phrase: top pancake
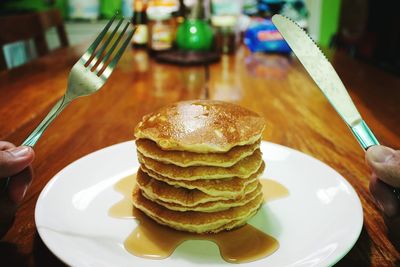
(201,126)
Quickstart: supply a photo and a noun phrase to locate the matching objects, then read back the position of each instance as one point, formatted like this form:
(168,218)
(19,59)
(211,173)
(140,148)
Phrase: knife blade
(326,78)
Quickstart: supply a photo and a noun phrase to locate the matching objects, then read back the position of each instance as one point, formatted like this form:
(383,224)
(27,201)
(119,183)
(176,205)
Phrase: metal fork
(87,76)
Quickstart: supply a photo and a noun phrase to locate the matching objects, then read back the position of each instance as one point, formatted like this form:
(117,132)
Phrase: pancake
(201,126)
(155,189)
(197,222)
(211,206)
(243,169)
(228,187)
(151,150)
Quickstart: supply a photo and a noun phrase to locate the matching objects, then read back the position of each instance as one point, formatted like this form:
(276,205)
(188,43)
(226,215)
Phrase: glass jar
(161,31)
(226,33)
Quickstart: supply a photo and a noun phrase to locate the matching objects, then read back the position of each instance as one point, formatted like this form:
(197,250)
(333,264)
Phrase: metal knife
(325,76)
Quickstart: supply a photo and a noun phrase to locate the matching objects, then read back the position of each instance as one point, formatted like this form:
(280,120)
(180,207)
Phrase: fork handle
(37,133)
(53,113)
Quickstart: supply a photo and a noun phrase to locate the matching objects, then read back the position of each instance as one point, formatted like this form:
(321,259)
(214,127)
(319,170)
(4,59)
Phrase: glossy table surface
(277,87)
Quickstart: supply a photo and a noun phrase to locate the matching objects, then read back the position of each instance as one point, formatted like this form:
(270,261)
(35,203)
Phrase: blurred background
(365,29)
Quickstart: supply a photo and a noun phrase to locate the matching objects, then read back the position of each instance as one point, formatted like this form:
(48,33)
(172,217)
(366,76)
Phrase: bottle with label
(225,21)
(161,31)
(139,19)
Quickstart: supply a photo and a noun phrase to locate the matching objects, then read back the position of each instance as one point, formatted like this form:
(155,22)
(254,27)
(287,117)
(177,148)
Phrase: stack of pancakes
(200,163)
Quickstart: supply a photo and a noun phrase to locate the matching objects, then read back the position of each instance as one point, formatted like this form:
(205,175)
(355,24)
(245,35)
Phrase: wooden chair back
(33,25)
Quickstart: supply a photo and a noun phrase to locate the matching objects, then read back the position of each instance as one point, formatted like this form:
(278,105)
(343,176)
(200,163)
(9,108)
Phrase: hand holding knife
(326,78)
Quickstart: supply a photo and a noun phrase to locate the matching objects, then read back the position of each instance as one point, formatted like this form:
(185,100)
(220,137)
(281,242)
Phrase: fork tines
(98,58)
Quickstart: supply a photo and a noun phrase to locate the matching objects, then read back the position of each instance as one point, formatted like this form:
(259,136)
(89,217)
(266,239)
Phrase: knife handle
(364,135)
(367,139)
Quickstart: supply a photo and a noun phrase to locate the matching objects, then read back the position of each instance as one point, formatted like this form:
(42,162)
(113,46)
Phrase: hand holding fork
(87,76)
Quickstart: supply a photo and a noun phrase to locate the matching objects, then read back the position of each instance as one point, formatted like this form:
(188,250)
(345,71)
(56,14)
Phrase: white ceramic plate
(316,225)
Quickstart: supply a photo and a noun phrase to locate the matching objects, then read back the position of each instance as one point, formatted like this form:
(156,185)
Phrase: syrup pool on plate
(152,240)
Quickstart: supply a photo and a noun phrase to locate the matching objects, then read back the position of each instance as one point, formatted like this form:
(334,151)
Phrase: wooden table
(296,112)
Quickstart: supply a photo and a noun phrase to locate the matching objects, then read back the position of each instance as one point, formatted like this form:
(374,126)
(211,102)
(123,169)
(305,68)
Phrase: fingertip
(14,160)
(385,164)
(378,154)
(30,154)
(22,152)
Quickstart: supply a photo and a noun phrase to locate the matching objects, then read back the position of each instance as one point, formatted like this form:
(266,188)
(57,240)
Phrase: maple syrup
(152,240)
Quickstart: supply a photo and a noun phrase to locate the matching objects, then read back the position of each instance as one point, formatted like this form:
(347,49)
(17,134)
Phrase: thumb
(14,160)
(385,163)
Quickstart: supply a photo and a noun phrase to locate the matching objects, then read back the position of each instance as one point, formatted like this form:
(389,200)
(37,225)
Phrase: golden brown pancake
(227,187)
(151,150)
(200,163)
(243,169)
(201,126)
(211,206)
(155,189)
(194,221)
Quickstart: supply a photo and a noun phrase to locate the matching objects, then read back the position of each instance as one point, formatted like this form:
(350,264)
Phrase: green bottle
(195,34)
